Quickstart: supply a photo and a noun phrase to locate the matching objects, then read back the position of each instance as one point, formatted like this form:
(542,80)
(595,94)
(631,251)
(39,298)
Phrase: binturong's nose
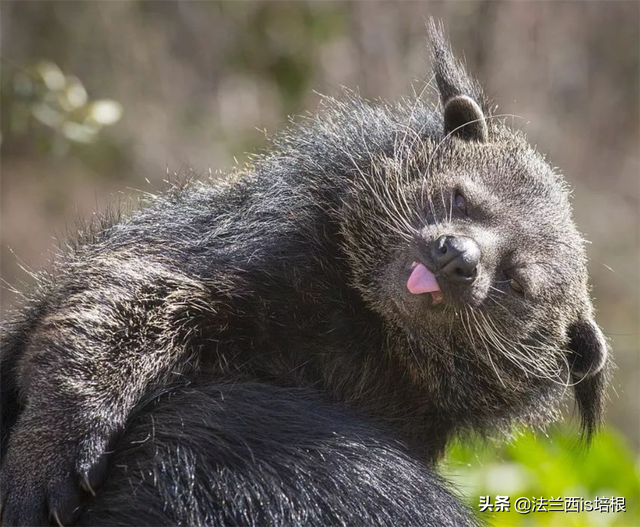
(456,258)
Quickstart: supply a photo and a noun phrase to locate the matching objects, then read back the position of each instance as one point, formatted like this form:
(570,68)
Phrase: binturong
(416,263)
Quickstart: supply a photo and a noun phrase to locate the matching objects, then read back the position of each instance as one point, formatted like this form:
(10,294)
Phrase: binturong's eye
(516,286)
(460,203)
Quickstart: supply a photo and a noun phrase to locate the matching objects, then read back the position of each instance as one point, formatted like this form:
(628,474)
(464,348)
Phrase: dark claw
(94,477)
(64,502)
(43,482)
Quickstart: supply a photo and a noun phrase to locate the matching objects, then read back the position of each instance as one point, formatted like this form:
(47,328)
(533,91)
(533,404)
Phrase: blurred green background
(102,100)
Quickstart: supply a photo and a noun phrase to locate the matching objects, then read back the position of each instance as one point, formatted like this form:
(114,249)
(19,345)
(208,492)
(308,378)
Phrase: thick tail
(256,455)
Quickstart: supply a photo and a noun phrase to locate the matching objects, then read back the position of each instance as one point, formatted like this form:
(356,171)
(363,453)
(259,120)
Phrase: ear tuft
(451,76)
(589,373)
(464,118)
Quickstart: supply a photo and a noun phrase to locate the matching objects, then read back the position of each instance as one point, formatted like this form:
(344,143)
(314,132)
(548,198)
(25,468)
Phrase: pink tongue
(422,281)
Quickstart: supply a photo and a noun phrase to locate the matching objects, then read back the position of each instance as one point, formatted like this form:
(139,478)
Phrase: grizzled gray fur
(259,455)
(416,264)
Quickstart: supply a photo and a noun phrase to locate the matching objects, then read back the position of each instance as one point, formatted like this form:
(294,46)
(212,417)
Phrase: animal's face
(481,267)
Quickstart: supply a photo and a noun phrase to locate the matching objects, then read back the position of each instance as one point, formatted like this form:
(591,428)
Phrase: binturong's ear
(588,348)
(464,118)
(462,97)
(588,359)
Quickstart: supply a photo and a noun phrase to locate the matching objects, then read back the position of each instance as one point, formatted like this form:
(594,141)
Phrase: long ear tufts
(451,77)
(589,362)
(589,393)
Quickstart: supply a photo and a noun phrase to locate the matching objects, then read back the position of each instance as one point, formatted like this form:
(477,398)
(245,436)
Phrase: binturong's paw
(47,474)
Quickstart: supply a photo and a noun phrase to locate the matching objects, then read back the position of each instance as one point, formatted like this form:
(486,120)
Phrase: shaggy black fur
(294,273)
(254,455)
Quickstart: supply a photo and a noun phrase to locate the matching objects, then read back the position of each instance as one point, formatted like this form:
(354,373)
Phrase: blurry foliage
(42,96)
(280,45)
(534,466)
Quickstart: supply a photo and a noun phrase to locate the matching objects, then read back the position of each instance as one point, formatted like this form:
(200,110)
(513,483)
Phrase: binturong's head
(460,236)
